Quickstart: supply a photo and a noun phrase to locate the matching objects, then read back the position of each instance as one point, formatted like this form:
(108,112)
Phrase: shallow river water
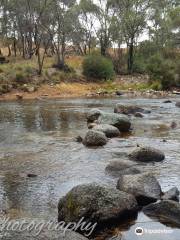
(37,137)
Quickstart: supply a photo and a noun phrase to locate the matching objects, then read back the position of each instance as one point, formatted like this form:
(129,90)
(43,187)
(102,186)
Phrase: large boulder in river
(129,109)
(122,167)
(94,138)
(119,121)
(95,203)
(147,154)
(167,212)
(44,234)
(172,194)
(144,187)
(93,115)
(109,130)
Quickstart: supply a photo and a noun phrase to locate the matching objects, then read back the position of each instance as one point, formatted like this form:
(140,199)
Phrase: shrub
(162,70)
(98,67)
(157,86)
(21,78)
(139,65)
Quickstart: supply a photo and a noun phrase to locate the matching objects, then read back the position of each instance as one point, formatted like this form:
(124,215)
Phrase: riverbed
(38,137)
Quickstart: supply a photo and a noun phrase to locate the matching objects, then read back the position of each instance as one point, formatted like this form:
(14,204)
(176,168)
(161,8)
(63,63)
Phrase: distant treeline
(46,27)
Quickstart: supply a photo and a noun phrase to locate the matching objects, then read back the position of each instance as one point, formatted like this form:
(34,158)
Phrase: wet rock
(129,109)
(31,175)
(138,115)
(119,93)
(122,167)
(95,138)
(173,125)
(79,139)
(167,101)
(147,154)
(93,115)
(95,203)
(166,211)
(109,130)
(172,194)
(117,120)
(178,104)
(144,187)
(44,234)
(92,125)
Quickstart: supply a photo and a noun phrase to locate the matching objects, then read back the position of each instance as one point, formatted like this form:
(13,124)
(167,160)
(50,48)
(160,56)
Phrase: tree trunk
(9,51)
(131,57)
(15,47)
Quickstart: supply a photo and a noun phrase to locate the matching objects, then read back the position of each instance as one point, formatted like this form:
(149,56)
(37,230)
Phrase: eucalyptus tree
(132,16)
(87,10)
(105,15)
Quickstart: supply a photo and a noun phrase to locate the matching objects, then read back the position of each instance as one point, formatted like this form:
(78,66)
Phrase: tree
(132,16)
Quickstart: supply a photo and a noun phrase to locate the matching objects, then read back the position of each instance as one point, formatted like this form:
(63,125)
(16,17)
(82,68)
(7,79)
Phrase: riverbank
(120,87)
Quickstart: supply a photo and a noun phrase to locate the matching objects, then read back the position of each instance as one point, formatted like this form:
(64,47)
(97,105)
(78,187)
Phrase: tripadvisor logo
(139,231)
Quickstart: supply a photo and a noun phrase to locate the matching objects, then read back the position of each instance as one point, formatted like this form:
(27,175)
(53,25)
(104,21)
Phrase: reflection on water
(38,137)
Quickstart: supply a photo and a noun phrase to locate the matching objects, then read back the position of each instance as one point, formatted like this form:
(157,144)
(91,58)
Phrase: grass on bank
(22,75)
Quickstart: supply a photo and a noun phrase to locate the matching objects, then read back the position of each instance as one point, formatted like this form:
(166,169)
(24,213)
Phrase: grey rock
(93,115)
(172,194)
(147,154)
(144,187)
(178,104)
(167,212)
(109,130)
(167,101)
(138,115)
(79,139)
(95,138)
(129,109)
(122,167)
(95,203)
(45,234)
(119,121)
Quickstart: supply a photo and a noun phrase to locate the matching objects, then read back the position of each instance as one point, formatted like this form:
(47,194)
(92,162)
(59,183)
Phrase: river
(37,137)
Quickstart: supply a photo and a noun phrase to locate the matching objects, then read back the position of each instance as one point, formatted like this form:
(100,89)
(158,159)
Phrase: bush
(157,86)
(162,70)
(139,65)
(98,67)
(21,78)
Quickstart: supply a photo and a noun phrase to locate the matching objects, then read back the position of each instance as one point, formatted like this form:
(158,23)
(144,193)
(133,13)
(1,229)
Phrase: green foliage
(21,78)
(157,86)
(98,67)
(139,65)
(162,70)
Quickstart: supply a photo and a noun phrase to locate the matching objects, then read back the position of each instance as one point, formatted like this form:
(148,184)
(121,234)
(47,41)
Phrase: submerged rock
(172,194)
(167,101)
(178,104)
(144,187)
(147,154)
(31,175)
(95,203)
(166,211)
(138,115)
(122,167)
(119,121)
(95,138)
(109,130)
(129,109)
